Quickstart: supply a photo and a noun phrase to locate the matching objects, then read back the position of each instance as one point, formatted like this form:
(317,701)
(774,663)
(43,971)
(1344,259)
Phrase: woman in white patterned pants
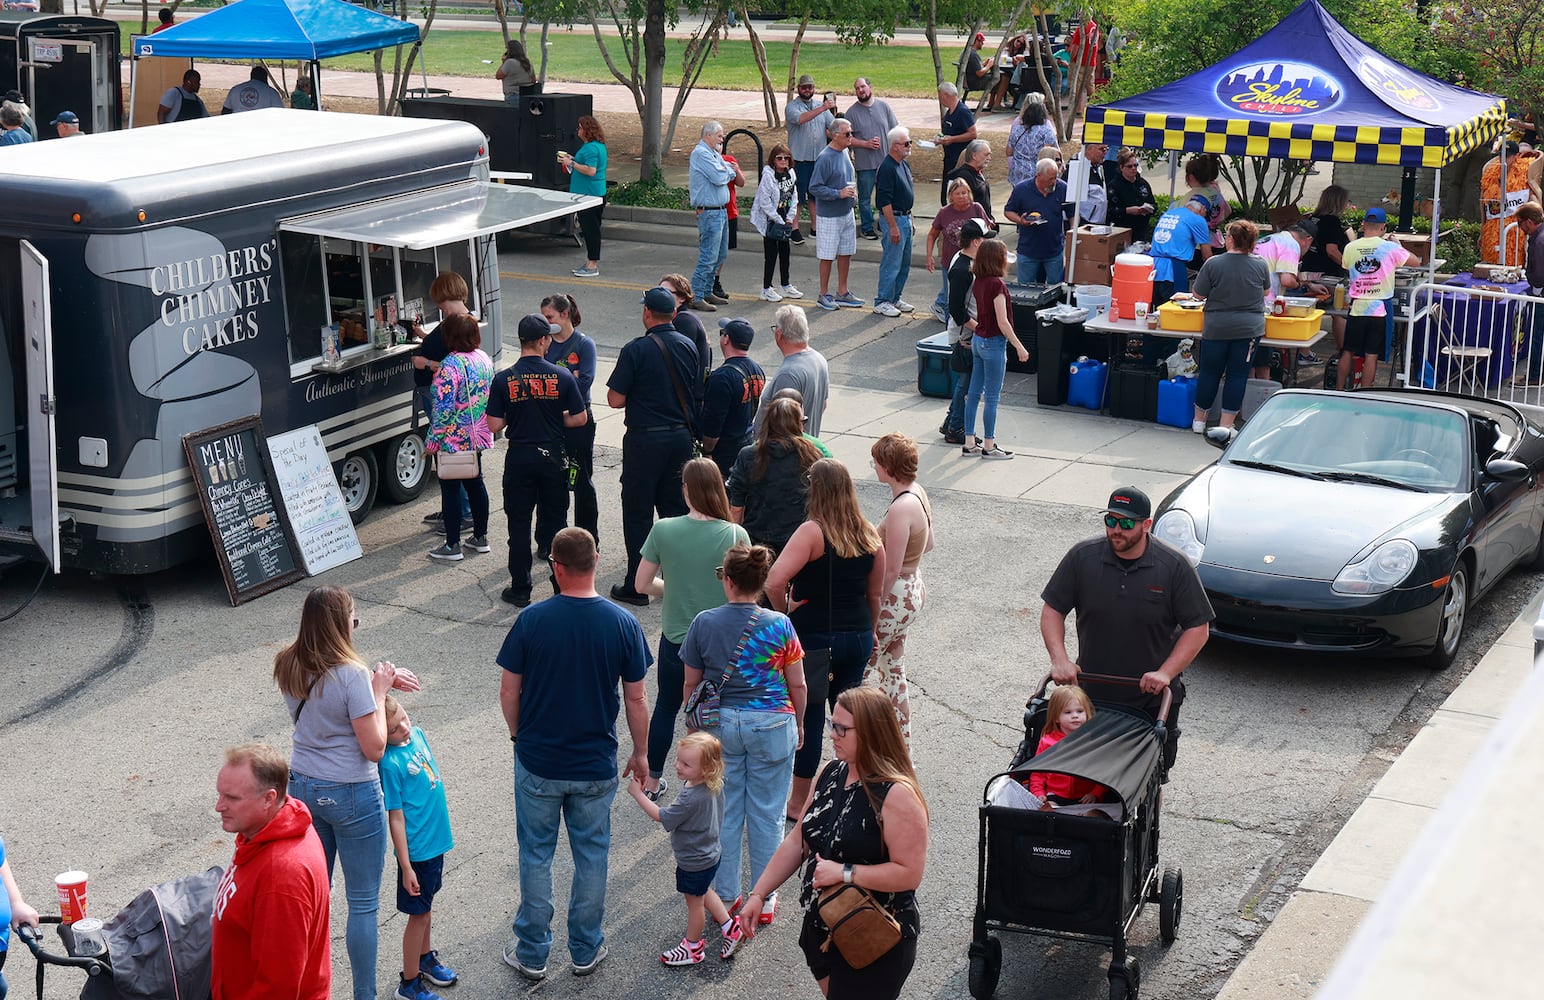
(907,529)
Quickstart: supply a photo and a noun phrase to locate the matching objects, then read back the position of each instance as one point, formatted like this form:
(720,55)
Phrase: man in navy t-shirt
(1039,207)
(562,660)
(734,393)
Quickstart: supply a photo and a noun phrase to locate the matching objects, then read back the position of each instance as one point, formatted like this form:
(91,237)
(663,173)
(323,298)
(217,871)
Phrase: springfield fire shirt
(531,398)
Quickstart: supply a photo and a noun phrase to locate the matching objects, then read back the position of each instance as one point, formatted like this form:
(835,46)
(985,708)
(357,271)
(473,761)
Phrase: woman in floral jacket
(459,425)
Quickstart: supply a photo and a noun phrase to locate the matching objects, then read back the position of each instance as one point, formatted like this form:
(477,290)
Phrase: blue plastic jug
(1177,401)
(1085,386)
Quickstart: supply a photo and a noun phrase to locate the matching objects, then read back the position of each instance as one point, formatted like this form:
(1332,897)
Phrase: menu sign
(251,534)
(323,530)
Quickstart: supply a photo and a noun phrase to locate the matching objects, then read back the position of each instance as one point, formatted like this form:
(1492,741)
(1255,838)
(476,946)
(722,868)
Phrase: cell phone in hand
(830,97)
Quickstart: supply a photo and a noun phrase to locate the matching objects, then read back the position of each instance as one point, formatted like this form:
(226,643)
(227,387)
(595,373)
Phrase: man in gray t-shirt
(807,119)
(871,119)
(803,368)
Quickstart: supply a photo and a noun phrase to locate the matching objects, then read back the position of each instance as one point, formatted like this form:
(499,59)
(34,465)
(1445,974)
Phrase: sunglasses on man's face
(1123,523)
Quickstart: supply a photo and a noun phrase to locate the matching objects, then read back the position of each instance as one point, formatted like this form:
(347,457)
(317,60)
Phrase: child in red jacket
(1067,710)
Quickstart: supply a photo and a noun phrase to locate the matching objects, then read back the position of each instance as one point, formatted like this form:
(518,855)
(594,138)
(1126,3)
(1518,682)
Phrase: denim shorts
(695,883)
(431,875)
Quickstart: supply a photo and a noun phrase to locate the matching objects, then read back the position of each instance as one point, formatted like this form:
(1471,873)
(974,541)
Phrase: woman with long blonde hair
(338,706)
(831,574)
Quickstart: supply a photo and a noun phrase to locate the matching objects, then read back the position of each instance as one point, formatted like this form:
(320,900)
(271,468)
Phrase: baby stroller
(157,946)
(1078,877)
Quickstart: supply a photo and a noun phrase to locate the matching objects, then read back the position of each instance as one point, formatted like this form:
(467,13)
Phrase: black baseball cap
(976,229)
(660,300)
(535,327)
(1128,501)
(739,331)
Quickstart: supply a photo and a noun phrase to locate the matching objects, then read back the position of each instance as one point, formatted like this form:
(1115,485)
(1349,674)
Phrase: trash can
(1057,345)
(1025,303)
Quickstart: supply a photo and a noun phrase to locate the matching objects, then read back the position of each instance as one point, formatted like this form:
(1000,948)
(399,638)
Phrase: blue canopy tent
(302,30)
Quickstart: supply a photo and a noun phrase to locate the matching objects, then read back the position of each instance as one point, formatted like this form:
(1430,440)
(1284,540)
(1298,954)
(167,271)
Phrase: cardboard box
(1285,217)
(1102,248)
(1089,272)
(1496,272)
(1418,244)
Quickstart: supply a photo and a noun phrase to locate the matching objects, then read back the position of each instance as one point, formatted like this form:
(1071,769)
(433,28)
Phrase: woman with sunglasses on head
(829,578)
(756,653)
(678,564)
(1132,202)
(338,708)
(866,824)
(775,213)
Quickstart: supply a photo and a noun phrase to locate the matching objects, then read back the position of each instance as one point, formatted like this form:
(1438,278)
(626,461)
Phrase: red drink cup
(72,895)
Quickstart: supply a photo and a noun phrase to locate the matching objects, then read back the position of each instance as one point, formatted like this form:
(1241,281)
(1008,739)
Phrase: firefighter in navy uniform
(651,384)
(733,394)
(535,400)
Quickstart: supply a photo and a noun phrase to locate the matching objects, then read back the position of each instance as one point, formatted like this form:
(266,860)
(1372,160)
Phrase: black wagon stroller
(157,947)
(1078,877)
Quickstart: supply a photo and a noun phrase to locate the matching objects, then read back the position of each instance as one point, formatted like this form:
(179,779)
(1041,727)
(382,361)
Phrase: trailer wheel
(986,964)
(358,478)
(1171,899)
(405,467)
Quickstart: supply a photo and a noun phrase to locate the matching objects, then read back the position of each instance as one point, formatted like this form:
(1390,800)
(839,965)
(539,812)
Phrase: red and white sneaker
(768,911)
(685,953)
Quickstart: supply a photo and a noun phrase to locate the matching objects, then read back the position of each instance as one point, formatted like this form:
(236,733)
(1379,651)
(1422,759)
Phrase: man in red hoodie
(271,912)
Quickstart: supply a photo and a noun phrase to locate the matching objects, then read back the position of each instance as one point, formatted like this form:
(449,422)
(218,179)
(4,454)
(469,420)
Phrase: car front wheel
(1455,609)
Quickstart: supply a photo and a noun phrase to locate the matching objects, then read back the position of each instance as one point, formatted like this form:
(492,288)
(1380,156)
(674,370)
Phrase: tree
(1504,43)
(769,96)
(856,23)
(389,99)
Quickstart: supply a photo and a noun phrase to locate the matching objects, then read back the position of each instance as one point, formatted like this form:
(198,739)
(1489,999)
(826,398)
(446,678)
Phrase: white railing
(1475,341)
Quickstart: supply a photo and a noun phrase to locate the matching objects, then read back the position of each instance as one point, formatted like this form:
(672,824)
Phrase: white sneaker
(770,295)
(790,292)
(905,306)
(886,309)
(1199,426)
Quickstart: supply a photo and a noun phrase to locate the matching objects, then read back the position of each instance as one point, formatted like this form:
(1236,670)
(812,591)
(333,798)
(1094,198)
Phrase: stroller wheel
(1171,900)
(1126,982)
(986,964)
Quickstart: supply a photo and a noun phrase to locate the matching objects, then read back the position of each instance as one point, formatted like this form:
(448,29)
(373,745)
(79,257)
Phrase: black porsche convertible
(1362,522)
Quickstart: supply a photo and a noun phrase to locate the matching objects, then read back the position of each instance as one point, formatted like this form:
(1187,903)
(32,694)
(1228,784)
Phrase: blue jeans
(758,772)
(866,211)
(942,302)
(1041,270)
(667,704)
(426,403)
(585,808)
(850,653)
(712,248)
(894,260)
(989,360)
(350,819)
(954,420)
(1535,341)
(1219,358)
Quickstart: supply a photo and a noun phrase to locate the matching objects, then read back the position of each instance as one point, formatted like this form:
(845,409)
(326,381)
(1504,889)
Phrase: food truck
(161,281)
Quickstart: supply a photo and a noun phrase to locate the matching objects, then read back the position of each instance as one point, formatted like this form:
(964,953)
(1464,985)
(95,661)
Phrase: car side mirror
(1504,470)
(1220,437)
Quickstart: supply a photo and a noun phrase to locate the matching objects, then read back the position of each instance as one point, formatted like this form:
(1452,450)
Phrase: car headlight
(1381,570)
(1178,528)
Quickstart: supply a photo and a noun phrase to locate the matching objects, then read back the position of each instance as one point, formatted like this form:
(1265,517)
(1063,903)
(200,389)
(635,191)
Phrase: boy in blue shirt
(419,820)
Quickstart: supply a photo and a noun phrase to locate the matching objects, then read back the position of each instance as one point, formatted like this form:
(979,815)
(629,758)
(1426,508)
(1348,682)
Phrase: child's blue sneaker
(414,989)
(430,967)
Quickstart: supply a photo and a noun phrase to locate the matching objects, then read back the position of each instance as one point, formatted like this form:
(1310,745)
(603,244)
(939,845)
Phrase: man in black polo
(535,399)
(1142,612)
(651,384)
(733,394)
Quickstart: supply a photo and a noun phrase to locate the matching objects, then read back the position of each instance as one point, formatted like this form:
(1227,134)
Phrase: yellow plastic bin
(1294,327)
(1172,317)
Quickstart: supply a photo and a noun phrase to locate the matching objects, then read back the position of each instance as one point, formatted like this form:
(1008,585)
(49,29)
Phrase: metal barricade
(1479,340)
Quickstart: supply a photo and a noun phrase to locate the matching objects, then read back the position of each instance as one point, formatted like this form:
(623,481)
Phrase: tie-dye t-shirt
(1281,254)
(1371,262)
(757,683)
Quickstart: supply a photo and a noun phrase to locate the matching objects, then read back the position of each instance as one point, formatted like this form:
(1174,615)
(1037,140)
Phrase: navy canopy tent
(1307,89)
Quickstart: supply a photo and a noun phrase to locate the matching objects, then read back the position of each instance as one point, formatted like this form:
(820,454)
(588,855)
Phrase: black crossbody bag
(680,393)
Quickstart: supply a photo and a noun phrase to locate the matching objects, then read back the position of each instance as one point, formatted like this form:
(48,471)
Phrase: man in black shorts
(1142,612)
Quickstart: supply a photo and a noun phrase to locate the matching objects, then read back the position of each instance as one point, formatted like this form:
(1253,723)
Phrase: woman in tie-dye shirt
(756,654)
(460,424)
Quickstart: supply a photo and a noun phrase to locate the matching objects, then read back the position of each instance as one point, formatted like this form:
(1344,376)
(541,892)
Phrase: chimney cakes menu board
(250,530)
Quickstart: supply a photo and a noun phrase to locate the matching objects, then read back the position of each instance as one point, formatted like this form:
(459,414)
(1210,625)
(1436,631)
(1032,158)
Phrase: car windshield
(1379,441)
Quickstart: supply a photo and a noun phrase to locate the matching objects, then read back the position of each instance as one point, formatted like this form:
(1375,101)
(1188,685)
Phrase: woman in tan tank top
(907,530)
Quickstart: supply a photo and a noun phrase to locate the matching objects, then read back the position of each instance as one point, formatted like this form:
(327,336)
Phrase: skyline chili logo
(1274,90)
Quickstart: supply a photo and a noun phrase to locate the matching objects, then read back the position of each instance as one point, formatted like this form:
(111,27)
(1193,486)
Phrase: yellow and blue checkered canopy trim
(1419,146)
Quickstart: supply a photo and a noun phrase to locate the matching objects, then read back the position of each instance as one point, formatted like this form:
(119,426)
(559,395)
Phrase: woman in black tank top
(828,580)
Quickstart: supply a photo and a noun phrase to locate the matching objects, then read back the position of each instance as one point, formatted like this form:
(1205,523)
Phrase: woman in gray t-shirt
(1234,286)
(338,707)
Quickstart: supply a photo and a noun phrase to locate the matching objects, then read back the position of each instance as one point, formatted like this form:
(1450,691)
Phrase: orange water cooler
(1132,282)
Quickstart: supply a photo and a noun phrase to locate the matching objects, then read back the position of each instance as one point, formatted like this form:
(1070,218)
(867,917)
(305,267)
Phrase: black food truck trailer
(63,62)
(161,281)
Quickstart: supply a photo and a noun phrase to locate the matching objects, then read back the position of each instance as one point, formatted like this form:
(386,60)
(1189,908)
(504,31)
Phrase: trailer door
(42,458)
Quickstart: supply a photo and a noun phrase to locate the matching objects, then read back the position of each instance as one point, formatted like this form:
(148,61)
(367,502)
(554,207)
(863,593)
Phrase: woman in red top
(991,333)
(1067,710)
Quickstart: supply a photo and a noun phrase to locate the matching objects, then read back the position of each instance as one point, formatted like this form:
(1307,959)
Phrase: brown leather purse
(862,930)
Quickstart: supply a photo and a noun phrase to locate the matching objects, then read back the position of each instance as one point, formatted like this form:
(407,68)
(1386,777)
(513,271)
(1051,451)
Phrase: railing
(1477,341)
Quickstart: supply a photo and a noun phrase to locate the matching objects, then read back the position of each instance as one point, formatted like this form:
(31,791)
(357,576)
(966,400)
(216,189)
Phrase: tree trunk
(759,51)
(502,13)
(793,58)
(964,59)
(702,44)
(930,30)
(144,17)
(542,74)
(653,53)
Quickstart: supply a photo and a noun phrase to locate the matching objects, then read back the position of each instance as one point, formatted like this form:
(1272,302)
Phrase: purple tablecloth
(1461,320)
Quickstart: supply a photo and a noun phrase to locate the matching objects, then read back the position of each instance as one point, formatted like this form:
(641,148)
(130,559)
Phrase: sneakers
(790,292)
(534,974)
(586,272)
(797,237)
(658,793)
(519,598)
(768,912)
(414,989)
(941,314)
(954,437)
(869,234)
(703,305)
(970,450)
(623,595)
(770,295)
(685,953)
(733,938)
(849,300)
(447,552)
(904,306)
(1198,426)
(592,964)
(430,968)
(996,452)
(886,309)
(434,520)
(1308,358)
(477,543)
(827,302)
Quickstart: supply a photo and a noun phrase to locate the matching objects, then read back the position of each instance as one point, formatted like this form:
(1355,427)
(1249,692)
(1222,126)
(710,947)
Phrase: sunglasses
(837,729)
(1123,523)
(906,143)
(553,562)
(718,571)
(356,622)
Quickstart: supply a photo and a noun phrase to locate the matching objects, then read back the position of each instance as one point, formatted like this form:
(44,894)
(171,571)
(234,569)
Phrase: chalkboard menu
(251,533)
(324,532)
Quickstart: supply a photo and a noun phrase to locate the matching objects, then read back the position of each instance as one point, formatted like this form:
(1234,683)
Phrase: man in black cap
(66,124)
(535,399)
(1142,612)
(650,384)
(733,394)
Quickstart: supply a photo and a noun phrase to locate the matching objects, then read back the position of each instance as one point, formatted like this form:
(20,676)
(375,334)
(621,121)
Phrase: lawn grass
(893,70)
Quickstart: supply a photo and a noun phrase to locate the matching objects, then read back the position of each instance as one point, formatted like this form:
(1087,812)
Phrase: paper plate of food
(926,144)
